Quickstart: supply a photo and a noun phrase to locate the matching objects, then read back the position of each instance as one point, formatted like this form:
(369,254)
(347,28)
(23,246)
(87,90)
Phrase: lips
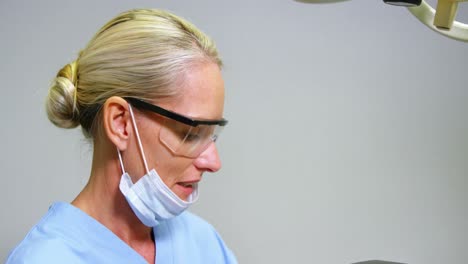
(186,188)
(187,184)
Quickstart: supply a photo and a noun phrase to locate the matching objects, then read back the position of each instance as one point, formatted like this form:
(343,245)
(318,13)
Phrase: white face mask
(150,199)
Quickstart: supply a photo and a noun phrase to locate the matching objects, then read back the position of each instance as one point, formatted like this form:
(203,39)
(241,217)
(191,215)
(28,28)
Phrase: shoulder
(68,235)
(33,250)
(42,244)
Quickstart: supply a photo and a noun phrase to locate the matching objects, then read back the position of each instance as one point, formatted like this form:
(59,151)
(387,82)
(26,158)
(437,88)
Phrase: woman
(149,93)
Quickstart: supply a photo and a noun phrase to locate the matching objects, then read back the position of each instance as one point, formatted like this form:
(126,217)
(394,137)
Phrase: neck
(101,199)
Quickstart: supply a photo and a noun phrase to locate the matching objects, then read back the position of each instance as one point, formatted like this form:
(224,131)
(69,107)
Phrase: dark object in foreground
(378,262)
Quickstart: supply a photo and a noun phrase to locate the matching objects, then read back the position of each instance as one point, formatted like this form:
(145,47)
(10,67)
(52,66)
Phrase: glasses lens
(186,140)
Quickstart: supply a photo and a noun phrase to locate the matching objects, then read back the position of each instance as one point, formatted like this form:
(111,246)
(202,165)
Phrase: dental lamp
(441,20)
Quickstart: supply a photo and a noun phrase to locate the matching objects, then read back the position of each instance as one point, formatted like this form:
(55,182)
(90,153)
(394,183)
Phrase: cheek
(173,171)
(170,168)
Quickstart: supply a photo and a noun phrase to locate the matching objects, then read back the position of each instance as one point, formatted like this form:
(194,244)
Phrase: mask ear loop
(121,162)
(138,138)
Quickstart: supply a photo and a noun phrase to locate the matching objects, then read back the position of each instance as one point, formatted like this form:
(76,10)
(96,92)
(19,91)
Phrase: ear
(116,121)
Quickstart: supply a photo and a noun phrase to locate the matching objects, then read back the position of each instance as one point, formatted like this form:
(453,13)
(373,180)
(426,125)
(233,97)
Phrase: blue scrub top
(68,235)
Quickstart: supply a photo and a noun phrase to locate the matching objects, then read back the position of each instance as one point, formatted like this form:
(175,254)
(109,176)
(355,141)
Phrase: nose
(209,159)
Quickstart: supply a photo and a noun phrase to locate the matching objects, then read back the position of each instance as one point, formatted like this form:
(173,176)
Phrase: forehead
(201,95)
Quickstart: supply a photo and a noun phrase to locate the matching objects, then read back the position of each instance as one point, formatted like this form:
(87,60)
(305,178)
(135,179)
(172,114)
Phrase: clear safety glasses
(184,136)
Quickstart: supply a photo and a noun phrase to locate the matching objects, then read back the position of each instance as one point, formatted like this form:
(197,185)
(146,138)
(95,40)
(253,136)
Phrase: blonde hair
(140,53)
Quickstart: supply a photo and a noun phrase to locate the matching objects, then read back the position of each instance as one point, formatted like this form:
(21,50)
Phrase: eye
(192,137)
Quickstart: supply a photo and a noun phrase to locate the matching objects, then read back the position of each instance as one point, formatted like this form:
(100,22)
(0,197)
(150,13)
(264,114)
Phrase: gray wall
(348,137)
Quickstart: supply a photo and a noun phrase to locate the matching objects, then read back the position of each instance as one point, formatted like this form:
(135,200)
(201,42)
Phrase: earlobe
(116,122)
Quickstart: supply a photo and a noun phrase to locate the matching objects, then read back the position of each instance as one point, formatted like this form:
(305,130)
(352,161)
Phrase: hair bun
(61,104)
